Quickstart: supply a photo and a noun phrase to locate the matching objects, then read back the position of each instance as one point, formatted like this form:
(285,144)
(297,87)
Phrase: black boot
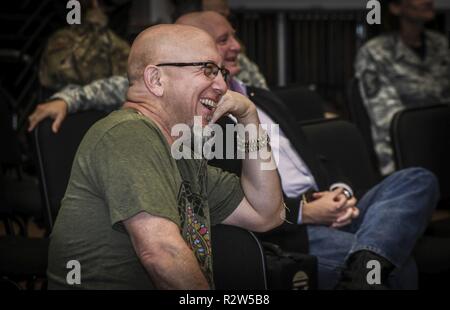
(355,275)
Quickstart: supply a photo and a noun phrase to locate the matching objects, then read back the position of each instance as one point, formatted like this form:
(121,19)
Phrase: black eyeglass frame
(225,72)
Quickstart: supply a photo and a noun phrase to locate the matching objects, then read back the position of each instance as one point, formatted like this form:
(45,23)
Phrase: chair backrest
(340,144)
(304,103)
(359,116)
(421,137)
(55,154)
(238,259)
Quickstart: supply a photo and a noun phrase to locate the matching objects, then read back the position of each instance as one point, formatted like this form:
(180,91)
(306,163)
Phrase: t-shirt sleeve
(135,173)
(224,194)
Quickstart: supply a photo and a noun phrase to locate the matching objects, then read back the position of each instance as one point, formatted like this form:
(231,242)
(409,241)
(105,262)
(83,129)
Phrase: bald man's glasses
(209,68)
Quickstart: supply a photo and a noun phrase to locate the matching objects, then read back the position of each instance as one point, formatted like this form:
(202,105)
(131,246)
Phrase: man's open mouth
(208,103)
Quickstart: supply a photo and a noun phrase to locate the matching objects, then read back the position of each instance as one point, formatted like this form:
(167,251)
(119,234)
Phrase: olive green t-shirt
(122,167)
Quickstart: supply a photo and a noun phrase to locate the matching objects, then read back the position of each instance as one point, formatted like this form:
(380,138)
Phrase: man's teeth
(208,103)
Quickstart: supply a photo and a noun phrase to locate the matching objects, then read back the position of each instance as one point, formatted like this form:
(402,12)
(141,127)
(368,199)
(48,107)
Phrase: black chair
(421,137)
(359,116)
(26,258)
(304,103)
(339,145)
(20,192)
(238,259)
(55,154)
(21,258)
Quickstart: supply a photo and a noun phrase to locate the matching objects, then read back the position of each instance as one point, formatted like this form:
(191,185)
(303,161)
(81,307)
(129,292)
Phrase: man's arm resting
(104,94)
(251,218)
(262,208)
(164,253)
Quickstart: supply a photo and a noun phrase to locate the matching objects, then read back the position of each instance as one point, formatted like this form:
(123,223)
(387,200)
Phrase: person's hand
(56,109)
(351,212)
(237,105)
(330,208)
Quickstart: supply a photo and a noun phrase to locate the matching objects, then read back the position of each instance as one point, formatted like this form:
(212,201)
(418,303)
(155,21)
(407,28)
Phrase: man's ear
(152,80)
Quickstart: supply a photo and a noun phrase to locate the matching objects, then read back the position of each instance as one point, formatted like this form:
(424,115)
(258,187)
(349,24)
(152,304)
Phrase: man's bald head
(165,43)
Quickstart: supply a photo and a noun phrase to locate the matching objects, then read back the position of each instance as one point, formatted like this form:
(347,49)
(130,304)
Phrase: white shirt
(295,175)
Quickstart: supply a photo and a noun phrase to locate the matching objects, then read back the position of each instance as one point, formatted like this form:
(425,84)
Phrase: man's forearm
(260,180)
(105,94)
(164,253)
(175,269)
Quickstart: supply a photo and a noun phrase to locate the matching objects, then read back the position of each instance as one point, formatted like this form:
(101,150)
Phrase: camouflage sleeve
(250,74)
(105,94)
(381,101)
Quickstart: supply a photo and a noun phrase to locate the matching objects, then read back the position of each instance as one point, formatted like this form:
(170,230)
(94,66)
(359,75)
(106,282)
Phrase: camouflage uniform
(108,94)
(105,94)
(80,54)
(394,77)
(250,74)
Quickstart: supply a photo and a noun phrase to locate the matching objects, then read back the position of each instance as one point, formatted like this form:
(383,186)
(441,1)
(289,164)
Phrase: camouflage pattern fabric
(104,94)
(393,77)
(250,74)
(80,54)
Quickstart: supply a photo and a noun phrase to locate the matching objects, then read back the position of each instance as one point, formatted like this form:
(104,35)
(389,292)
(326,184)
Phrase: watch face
(347,193)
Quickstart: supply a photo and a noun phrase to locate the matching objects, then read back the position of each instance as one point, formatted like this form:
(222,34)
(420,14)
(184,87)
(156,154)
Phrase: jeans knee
(422,176)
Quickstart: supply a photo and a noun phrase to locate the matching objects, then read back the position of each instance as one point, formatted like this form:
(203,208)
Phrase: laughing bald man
(133,216)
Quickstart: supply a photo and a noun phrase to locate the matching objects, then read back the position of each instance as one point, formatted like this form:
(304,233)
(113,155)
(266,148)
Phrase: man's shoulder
(124,126)
(437,39)
(380,46)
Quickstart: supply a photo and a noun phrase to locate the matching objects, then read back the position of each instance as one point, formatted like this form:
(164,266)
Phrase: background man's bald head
(164,43)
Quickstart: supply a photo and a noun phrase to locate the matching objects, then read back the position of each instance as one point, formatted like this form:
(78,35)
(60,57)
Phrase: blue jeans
(393,215)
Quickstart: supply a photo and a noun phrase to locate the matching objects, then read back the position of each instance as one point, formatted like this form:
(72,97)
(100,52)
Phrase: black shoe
(356,275)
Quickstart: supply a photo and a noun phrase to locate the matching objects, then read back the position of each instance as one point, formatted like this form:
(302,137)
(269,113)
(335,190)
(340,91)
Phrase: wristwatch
(346,190)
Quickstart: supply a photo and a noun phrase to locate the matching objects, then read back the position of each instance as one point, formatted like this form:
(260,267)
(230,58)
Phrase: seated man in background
(408,67)
(343,235)
(249,74)
(80,54)
(133,216)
